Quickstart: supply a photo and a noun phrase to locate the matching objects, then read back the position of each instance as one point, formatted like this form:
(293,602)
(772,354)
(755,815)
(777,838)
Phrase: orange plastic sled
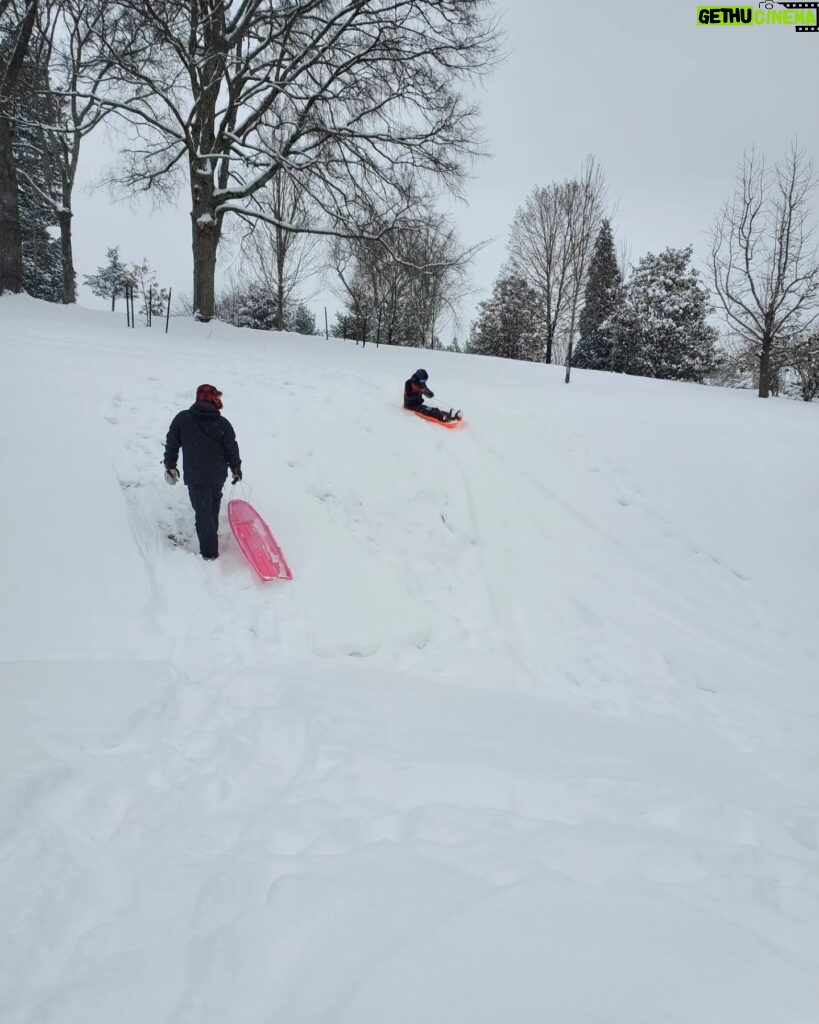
(451,425)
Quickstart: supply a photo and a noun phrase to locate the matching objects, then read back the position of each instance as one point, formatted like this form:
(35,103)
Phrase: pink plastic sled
(257,543)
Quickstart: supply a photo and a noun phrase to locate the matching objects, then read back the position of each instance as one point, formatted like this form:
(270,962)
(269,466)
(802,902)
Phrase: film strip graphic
(804,7)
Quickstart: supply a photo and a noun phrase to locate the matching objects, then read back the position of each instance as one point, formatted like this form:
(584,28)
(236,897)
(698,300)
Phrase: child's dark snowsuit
(209,449)
(414,393)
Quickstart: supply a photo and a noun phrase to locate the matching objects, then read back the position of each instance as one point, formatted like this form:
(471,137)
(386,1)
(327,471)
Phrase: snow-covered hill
(533,736)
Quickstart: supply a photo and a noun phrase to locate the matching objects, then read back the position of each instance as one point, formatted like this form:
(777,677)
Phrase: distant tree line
(397,290)
(313,139)
(564,296)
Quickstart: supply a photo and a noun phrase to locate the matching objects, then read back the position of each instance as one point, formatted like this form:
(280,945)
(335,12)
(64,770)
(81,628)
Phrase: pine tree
(803,368)
(15,37)
(38,184)
(509,324)
(42,262)
(603,293)
(302,321)
(349,325)
(661,328)
(109,280)
(256,307)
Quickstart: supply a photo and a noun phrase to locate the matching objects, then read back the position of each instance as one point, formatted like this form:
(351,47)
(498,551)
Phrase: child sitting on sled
(415,390)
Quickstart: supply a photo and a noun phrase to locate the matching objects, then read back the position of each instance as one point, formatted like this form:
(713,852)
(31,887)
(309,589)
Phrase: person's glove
(428,393)
(171,474)
(237,476)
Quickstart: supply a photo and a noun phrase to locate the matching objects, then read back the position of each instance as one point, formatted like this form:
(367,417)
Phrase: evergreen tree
(661,329)
(348,325)
(603,293)
(509,324)
(109,280)
(256,307)
(15,37)
(803,368)
(302,321)
(42,261)
(38,180)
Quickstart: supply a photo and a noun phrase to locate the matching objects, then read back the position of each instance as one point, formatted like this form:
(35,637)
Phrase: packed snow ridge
(530,737)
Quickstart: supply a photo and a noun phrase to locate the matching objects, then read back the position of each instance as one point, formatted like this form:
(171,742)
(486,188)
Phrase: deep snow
(532,736)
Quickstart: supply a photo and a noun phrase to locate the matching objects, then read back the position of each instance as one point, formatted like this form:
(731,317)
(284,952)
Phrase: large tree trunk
(280,260)
(765,365)
(11,242)
(66,249)
(549,338)
(206,224)
(205,228)
(280,303)
(570,353)
(205,242)
(11,247)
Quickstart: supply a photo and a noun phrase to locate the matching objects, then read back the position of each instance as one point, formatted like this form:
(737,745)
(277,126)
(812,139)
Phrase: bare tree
(399,286)
(764,258)
(550,246)
(437,274)
(583,201)
(275,257)
(539,252)
(624,258)
(17,20)
(392,288)
(348,258)
(736,363)
(347,96)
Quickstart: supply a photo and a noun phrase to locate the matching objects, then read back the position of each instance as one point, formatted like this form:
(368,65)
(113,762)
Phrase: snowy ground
(533,735)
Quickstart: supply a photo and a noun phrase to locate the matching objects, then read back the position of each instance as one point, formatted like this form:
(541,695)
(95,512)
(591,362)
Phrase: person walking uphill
(209,449)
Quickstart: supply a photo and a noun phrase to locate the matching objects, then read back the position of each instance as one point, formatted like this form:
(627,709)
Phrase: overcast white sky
(666,106)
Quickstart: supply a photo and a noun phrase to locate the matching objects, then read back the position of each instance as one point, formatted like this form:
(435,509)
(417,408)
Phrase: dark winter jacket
(208,445)
(414,394)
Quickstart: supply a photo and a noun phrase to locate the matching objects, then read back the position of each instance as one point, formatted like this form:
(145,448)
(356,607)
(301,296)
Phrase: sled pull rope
(247,490)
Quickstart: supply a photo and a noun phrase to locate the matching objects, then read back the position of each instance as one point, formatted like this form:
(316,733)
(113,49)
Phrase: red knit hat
(208,393)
